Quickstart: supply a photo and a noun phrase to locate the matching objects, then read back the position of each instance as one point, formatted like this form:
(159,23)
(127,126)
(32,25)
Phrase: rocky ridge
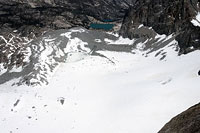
(37,16)
(165,17)
(186,122)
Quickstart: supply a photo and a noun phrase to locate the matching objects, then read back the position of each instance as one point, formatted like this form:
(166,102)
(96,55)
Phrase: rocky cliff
(37,16)
(165,17)
(186,122)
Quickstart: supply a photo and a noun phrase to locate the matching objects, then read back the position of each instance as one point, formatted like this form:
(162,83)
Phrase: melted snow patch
(97,40)
(67,34)
(2,70)
(16,69)
(120,41)
(140,26)
(74,45)
(114,34)
(80,30)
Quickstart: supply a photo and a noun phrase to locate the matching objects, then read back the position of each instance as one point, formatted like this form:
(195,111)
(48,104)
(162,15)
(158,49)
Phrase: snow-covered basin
(134,95)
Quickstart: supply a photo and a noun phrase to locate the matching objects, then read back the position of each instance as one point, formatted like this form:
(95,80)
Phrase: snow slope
(196,20)
(119,92)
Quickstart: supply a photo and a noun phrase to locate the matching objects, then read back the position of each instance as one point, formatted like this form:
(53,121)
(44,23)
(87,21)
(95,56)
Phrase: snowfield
(122,92)
(196,21)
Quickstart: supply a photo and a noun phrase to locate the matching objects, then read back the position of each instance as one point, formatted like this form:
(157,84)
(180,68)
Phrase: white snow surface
(196,21)
(140,26)
(120,41)
(135,94)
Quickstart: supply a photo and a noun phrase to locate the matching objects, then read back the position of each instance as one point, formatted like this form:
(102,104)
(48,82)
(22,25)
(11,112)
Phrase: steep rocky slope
(186,122)
(165,17)
(40,15)
(24,20)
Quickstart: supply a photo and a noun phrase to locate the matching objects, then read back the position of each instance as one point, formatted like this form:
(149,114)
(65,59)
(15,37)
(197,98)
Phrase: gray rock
(166,17)
(59,14)
(186,122)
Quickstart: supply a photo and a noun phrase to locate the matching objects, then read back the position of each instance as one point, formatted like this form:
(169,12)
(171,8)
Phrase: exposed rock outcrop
(12,51)
(165,17)
(38,16)
(186,122)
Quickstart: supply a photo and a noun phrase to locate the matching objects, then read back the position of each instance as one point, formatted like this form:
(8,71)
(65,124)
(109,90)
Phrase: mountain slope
(42,56)
(106,89)
(186,122)
(79,80)
(166,17)
(38,16)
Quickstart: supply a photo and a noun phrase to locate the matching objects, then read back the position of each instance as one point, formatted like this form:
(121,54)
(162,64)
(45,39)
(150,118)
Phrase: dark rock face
(166,17)
(186,122)
(40,15)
